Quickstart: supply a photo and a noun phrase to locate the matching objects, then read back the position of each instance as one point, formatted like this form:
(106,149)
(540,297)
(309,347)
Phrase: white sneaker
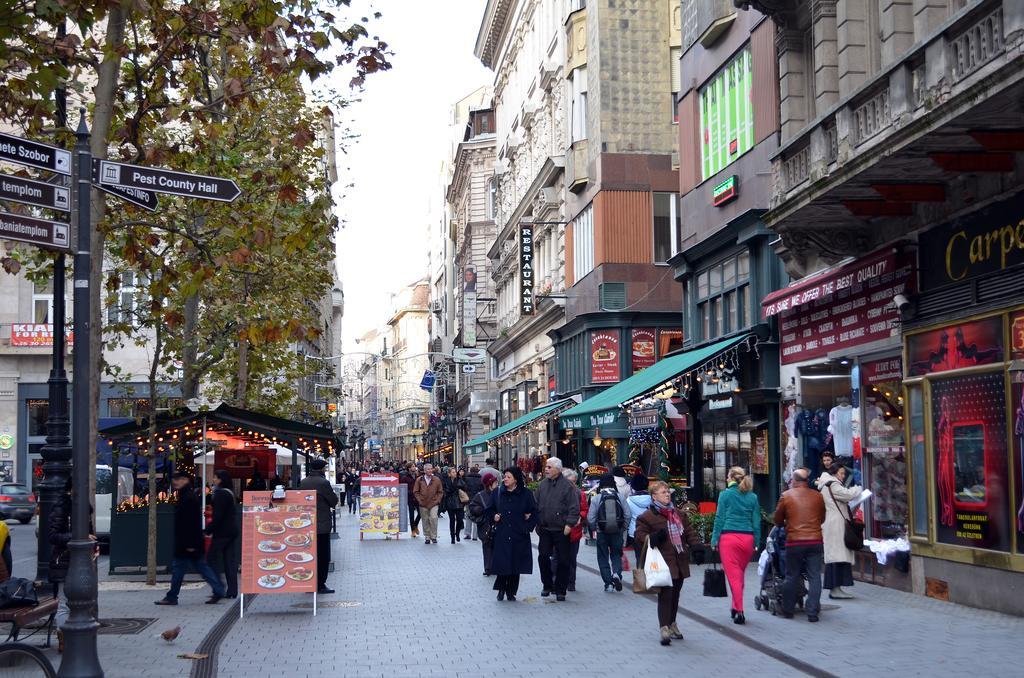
(838,593)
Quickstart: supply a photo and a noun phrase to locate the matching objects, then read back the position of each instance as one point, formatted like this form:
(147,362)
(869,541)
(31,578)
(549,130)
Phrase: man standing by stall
(326,500)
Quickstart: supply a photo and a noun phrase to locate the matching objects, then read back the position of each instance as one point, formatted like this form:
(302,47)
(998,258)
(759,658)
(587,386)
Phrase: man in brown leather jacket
(801,511)
(429,492)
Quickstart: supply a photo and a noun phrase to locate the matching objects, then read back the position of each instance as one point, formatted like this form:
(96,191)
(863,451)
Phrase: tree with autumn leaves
(216,88)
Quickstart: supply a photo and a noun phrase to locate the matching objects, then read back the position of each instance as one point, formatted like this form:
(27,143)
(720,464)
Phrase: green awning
(603,408)
(480,444)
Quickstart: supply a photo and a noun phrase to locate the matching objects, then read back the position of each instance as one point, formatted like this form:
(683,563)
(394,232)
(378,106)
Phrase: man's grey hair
(556,462)
(569,474)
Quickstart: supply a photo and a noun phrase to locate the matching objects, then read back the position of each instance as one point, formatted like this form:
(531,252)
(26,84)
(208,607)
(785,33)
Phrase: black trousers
(414,516)
(222,555)
(668,602)
(509,583)
(488,549)
(455,521)
(323,558)
(554,544)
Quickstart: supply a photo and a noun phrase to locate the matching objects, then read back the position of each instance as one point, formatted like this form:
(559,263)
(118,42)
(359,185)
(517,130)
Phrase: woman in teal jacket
(737,532)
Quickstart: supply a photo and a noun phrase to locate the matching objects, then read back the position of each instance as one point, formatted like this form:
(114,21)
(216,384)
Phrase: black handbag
(853,530)
(18,592)
(714,583)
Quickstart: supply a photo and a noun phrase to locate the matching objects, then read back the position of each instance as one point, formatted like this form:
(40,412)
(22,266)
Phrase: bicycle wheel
(21,660)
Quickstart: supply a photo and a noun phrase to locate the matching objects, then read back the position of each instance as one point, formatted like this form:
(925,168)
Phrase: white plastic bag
(656,569)
(762,562)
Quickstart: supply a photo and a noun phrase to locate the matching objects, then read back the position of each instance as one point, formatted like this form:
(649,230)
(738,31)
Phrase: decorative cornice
(492,31)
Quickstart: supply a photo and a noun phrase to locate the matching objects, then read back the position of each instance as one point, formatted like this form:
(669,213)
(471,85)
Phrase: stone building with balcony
(896,196)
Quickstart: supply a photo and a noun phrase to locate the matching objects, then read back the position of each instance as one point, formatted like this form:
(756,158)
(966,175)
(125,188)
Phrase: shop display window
(38,411)
(919,463)
(827,420)
(969,465)
(1017,395)
(885,460)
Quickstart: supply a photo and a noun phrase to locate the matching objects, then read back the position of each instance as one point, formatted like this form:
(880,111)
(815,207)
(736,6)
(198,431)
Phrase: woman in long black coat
(515,518)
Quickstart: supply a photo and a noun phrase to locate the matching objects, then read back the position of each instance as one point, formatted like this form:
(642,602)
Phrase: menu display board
(604,357)
(279,542)
(643,349)
(379,508)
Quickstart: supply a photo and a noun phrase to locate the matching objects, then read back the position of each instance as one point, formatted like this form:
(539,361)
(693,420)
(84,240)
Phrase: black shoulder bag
(853,532)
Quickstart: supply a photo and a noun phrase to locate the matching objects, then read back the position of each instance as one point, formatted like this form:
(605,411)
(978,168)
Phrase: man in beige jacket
(429,491)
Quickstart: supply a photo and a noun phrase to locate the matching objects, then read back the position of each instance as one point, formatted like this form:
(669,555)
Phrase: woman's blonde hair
(657,485)
(745,482)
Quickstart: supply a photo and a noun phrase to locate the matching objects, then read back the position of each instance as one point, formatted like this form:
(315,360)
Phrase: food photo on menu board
(379,505)
(278,542)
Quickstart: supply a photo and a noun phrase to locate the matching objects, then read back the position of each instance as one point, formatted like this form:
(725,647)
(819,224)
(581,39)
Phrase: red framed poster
(604,357)
(279,542)
(978,342)
(644,349)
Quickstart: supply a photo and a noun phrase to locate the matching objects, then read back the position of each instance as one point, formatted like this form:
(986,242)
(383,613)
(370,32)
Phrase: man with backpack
(608,517)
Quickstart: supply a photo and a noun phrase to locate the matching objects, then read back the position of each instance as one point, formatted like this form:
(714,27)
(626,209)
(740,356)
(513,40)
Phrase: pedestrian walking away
(558,509)
(188,542)
(838,558)
(326,500)
(408,477)
(515,516)
(481,513)
(736,533)
(576,536)
(474,483)
(666,528)
(429,493)
(454,491)
(801,510)
(223,531)
(352,489)
(609,518)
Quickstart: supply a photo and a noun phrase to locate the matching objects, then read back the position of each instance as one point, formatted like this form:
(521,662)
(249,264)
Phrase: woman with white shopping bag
(670,539)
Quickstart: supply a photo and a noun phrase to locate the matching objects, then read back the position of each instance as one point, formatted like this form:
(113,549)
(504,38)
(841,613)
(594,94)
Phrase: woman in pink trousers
(737,533)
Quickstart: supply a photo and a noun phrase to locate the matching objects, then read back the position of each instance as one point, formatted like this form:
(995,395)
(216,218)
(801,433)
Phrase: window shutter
(613,296)
(675,53)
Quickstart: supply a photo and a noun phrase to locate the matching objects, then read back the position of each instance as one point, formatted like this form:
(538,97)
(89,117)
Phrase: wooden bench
(20,617)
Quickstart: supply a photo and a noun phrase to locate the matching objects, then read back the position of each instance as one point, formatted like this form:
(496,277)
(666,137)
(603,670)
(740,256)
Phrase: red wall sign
(644,349)
(859,311)
(977,342)
(851,276)
(604,357)
(879,371)
(35,334)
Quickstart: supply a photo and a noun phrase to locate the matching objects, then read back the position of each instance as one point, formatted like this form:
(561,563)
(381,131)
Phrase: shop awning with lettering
(603,408)
(479,445)
(828,282)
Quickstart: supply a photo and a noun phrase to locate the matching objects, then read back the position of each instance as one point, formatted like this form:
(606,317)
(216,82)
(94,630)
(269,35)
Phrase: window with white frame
(492,197)
(583,243)
(722,297)
(127,299)
(578,102)
(667,226)
(675,54)
(42,303)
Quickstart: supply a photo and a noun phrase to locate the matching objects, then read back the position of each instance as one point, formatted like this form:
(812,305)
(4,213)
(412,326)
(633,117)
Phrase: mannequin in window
(840,425)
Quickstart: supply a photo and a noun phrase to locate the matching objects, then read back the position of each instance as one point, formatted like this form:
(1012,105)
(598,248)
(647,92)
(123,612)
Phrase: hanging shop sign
(469,306)
(849,308)
(725,192)
(604,357)
(469,356)
(725,386)
(980,243)
(977,342)
(644,349)
(279,542)
(644,419)
(720,404)
(526,300)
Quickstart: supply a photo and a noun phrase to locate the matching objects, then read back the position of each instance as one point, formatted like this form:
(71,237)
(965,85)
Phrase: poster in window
(644,349)
(759,457)
(971,474)
(978,342)
(1017,396)
(668,341)
(604,357)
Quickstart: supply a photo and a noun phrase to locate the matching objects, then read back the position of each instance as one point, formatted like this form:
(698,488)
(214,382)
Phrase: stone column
(823,39)
(853,44)
(928,14)
(789,45)
(897,28)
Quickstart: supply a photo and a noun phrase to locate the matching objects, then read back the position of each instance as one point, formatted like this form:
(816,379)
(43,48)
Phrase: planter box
(129,539)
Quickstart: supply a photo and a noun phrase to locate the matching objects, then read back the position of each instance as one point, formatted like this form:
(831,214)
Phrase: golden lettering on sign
(999,242)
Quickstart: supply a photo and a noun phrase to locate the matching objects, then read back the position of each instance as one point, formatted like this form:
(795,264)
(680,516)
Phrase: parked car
(17,501)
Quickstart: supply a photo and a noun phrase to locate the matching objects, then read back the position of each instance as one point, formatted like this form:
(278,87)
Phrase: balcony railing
(977,45)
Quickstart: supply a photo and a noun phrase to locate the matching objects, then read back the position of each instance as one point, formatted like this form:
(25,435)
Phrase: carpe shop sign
(167,181)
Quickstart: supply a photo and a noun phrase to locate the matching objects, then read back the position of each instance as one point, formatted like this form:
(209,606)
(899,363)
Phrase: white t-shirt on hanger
(840,425)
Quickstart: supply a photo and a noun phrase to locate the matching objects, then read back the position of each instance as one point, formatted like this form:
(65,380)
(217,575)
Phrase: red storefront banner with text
(881,371)
(644,349)
(604,357)
(36,334)
(279,542)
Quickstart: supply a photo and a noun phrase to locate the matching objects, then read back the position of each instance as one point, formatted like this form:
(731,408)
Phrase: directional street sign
(166,181)
(35,154)
(52,235)
(147,200)
(38,193)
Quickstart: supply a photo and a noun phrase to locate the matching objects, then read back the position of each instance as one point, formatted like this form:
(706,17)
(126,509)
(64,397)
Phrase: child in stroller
(773,576)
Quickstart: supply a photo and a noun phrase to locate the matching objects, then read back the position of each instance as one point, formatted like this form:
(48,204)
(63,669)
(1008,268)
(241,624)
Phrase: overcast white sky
(396,164)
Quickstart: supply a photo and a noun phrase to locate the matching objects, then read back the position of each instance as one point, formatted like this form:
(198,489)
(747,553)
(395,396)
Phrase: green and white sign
(727,114)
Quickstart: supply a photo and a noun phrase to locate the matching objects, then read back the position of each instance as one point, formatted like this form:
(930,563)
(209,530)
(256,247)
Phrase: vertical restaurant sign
(279,542)
(526,300)
(604,357)
(378,504)
(644,349)
(469,306)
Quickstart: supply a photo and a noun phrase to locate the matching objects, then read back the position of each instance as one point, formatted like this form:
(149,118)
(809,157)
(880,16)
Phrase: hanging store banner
(604,357)
(848,309)
(378,504)
(828,283)
(279,542)
(469,306)
(644,349)
(526,300)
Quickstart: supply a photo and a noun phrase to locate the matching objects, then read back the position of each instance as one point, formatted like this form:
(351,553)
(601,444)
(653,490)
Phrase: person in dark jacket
(326,500)
(668,529)
(188,542)
(558,511)
(515,516)
(408,476)
(223,530)
(256,482)
(482,510)
(474,484)
(452,503)
(352,489)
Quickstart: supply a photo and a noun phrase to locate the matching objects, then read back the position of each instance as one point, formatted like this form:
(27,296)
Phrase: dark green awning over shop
(603,408)
(480,444)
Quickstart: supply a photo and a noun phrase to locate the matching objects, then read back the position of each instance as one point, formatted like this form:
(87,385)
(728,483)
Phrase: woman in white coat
(838,558)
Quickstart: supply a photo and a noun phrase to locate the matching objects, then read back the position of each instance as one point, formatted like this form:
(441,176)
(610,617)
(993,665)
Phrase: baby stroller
(769,598)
